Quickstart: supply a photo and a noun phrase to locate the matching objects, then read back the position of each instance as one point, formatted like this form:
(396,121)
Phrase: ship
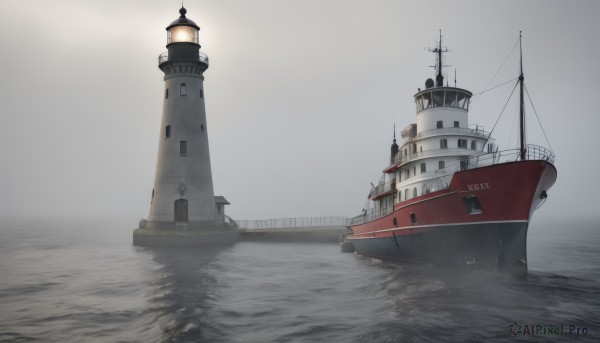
(449,196)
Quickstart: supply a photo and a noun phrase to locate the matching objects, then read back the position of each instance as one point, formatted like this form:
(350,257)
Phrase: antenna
(439,65)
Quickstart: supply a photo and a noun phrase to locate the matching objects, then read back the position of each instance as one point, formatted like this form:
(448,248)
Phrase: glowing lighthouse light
(182,30)
(183,34)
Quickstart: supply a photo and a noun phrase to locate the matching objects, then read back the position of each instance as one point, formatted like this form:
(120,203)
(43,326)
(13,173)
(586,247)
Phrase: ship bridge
(442,97)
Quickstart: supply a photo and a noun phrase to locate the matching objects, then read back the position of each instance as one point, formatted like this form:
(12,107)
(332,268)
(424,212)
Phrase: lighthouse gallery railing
(164,57)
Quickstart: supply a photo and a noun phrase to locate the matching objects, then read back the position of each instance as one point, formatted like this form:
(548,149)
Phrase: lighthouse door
(181,210)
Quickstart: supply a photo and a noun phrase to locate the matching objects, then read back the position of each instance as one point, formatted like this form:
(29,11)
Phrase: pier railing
(290,223)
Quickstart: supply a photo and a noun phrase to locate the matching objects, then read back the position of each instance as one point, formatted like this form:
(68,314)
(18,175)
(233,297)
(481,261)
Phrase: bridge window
(406,174)
(443,143)
(419,102)
(424,190)
(456,123)
(423,167)
(450,99)
(462,143)
(426,100)
(438,98)
(440,124)
(406,194)
(441,165)
(415,192)
(473,145)
(463,101)
(463,165)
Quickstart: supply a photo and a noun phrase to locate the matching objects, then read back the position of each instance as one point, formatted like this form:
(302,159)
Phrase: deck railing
(368,215)
(452,130)
(383,187)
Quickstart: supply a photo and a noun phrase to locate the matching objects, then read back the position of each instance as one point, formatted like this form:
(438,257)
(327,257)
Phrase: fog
(301,97)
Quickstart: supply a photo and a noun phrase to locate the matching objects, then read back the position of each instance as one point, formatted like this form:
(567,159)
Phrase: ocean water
(67,281)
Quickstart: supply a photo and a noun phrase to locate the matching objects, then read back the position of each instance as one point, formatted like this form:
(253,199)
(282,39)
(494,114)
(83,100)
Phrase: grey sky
(301,97)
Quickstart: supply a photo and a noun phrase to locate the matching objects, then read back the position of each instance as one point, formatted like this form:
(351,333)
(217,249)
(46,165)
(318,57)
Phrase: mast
(439,78)
(522,150)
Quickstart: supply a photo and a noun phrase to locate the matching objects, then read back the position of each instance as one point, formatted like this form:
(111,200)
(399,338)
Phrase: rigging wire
(497,71)
(490,89)
(504,108)
(538,118)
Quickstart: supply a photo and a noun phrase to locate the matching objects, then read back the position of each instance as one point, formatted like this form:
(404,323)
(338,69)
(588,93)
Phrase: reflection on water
(69,282)
(183,292)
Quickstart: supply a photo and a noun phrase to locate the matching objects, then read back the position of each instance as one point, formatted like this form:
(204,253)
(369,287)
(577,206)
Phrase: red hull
(508,194)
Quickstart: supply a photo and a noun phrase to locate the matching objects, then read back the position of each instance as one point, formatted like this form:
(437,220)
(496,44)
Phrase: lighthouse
(183,207)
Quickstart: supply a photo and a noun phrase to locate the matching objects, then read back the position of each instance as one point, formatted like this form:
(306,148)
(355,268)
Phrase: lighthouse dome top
(183,21)
(182,30)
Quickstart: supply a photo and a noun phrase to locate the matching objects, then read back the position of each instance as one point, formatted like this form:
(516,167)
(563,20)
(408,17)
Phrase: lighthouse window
(456,123)
(473,145)
(423,167)
(443,143)
(183,148)
(463,165)
(441,165)
(201,93)
(438,98)
(415,192)
(462,143)
(167,93)
(406,194)
(168,131)
(406,174)
(201,127)
(440,124)
(182,89)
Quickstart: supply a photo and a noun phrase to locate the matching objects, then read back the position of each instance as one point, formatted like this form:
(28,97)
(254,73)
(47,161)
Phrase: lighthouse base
(186,236)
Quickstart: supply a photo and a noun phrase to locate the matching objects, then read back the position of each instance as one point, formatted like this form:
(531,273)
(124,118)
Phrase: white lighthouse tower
(183,199)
